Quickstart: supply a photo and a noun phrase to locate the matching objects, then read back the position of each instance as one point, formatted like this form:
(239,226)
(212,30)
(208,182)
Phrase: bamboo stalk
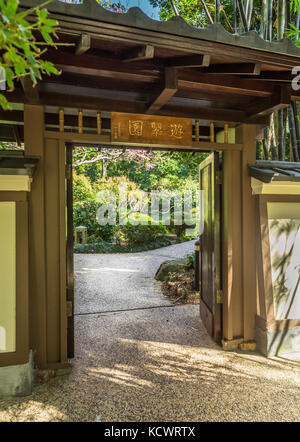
(270,21)
(217,11)
(297,126)
(235,18)
(258,150)
(173,6)
(293,137)
(243,15)
(280,135)
(207,12)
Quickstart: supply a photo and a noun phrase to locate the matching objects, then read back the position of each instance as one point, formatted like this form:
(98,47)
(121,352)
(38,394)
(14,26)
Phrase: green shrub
(141,233)
(82,189)
(85,215)
(105,247)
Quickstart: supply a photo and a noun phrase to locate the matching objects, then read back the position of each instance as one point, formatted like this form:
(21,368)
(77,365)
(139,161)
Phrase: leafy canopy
(20,51)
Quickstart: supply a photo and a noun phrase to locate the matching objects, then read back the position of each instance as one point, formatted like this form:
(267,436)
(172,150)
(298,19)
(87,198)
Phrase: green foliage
(106,247)
(82,189)
(20,51)
(112,184)
(141,234)
(85,215)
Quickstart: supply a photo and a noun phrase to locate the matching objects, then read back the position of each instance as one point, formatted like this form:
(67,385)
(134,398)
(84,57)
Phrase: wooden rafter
(278,100)
(187,61)
(169,89)
(139,53)
(31,91)
(234,68)
(84,44)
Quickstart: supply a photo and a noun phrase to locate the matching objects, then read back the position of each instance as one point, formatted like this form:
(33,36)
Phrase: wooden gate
(210,246)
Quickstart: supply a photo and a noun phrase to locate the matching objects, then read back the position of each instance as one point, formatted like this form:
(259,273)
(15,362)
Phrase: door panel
(210,246)
(70,254)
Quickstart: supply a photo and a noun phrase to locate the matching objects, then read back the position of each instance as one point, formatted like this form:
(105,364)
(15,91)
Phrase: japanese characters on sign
(149,129)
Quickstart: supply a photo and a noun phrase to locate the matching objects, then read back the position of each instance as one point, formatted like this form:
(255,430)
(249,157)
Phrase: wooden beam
(31,91)
(226,83)
(280,100)
(84,44)
(98,66)
(187,61)
(282,76)
(234,68)
(138,53)
(170,88)
(135,35)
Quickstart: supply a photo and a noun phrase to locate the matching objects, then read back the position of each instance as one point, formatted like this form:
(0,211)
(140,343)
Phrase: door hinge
(219,177)
(219,296)
(69,309)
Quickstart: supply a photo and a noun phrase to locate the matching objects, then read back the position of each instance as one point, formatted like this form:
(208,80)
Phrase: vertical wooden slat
(226,133)
(80,122)
(196,130)
(212,132)
(99,128)
(61,120)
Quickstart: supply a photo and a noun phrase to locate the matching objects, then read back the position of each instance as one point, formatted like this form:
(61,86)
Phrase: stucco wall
(7,277)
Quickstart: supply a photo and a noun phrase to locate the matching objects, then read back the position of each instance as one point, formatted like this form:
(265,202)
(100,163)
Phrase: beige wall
(284,228)
(7,277)
(231,136)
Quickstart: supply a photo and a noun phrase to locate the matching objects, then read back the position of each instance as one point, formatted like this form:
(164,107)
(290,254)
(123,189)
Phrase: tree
(86,155)
(273,20)
(20,50)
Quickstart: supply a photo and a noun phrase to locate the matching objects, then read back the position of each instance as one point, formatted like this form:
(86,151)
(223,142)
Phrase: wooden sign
(150,129)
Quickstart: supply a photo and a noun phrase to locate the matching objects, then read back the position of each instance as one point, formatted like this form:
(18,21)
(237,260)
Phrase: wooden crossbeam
(138,53)
(234,68)
(31,91)
(228,83)
(187,61)
(169,89)
(279,100)
(84,44)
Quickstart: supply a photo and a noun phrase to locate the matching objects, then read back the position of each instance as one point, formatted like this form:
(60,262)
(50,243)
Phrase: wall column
(34,145)
(47,244)
(246,134)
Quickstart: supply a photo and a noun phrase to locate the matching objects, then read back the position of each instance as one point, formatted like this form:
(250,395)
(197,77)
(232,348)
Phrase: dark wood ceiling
(122,68)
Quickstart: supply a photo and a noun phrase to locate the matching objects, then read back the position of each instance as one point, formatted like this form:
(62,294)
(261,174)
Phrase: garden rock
(170,266)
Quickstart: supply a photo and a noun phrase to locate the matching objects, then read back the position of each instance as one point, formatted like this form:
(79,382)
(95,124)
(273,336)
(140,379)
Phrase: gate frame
(48,306)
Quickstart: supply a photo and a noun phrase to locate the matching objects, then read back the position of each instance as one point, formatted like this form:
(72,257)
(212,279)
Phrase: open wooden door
(70,254)
(210,246)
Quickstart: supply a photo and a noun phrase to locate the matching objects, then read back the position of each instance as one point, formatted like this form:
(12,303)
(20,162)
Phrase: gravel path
(140,358)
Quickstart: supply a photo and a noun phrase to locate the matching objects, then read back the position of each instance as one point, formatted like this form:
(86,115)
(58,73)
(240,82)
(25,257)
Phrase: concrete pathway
(140,358)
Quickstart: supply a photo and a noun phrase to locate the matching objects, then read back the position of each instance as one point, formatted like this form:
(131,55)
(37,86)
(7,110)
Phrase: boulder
(170,266)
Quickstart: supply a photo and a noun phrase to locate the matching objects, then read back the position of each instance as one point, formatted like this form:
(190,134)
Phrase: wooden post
(34,145)
(246,134)
(47,244)
(232,248)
